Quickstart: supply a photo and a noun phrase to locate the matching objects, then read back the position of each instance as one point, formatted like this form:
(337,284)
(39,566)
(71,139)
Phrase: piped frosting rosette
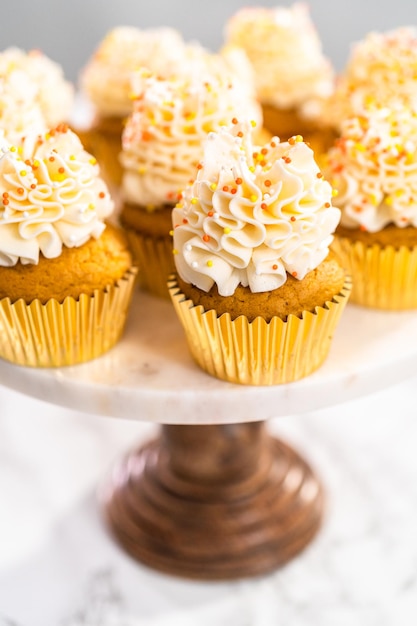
(286,54)
(253,216)
(374,168)
(382,68)
(51,197)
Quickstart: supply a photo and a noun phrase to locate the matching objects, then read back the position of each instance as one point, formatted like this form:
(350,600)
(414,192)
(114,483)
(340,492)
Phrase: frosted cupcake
(45,83)
(105,81)
(162,145)
(20,111)
(256,289)
(293,78)
(381,69)
(66,276)
(374,167)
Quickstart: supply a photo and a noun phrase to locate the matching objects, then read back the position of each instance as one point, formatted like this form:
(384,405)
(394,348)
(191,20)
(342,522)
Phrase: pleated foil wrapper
(259,352)
(155,259)
(75,331)
(383,277)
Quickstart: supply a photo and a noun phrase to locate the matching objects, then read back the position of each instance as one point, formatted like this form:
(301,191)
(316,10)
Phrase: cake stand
(214,496)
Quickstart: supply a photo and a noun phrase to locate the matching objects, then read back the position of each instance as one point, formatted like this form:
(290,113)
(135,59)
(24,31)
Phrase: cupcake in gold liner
(162,145)
(293,78)
(374,167)
(66,274)
(255,287)
(105,81)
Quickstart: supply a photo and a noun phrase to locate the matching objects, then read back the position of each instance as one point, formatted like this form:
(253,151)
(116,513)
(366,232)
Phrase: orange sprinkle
(185,221)
(234,190)
(273,144)
(238,181)
(6,201)
(199,166)
(101,194)
(294,274)
(291,141)
(327,205)
(225,188)
(264,151)
(61,170)
(210,213)
(27,162)
(240,134)
(51,158)
(33,186)
(20,190)
(206,238)
(234,120)
(5,194)
(292,218)
(264,206)
(319,175)
(275,267)
(267,183)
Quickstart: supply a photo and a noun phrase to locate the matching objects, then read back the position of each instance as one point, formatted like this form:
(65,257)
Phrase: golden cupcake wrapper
(383,277)
(56,334)
(258,352)
(155,259)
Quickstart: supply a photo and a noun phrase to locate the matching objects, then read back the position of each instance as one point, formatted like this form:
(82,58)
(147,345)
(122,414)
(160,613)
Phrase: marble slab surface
(59,567)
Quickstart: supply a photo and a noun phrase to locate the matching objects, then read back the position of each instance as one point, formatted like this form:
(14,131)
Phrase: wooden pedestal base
(214,502)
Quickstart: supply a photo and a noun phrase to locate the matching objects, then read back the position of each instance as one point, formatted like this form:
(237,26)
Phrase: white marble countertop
(59,567)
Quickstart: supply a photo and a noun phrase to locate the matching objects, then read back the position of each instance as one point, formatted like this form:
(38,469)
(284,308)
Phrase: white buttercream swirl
(50,195)
(286,53)
(107,77)
(374,168)
(382,68)
(253,215)
(162,139)
(53,94)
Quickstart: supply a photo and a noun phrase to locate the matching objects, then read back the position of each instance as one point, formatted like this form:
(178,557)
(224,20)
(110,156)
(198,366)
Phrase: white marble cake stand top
(151,376)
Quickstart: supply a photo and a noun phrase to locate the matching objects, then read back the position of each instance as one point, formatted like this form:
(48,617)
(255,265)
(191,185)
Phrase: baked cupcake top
(44,80)
(381,68)
(253,214)
(374,168)
(286,53)
(161,142)
(51,196)
(106,79)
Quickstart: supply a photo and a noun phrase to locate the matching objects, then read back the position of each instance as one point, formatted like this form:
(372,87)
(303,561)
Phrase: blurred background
(69,32)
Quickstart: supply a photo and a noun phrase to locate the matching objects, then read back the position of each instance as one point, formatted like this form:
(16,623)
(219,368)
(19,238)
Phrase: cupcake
(293,78)
(161,147)
(381,69)
(44,82)
(374,167)
(66,274)
(105,82)
(255,287)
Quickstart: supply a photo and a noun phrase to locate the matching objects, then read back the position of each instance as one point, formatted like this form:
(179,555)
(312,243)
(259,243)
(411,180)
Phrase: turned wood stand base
(213,502)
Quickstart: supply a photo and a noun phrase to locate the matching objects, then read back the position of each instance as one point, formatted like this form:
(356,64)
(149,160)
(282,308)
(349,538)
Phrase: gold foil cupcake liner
(259,352)
(56,334)
(155,259)
(383,277)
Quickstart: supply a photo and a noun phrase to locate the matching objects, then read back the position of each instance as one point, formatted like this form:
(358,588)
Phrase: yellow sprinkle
(132,96)
(253,123)
(36,163)
(399,193)
(210,263)
(227,230)
(141,169)
(171,233)
(20,149)
(12,149)
(213,186)
(193,200)
(409,158)
(373,199)
(72,157)
(91,206)
(335,193)
(389,200)
(179,205)
(47,136)
(23,172)
(93,161)
(252,168)
(253,198)
(360,147)
(299,138)
(175,251)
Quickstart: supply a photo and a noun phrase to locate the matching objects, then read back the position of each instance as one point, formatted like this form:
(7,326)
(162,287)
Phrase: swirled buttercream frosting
(374,168)
(286,54)
(46,84)
(381,68)
(253,214)
(51,196)
(161,142)
(107,77)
